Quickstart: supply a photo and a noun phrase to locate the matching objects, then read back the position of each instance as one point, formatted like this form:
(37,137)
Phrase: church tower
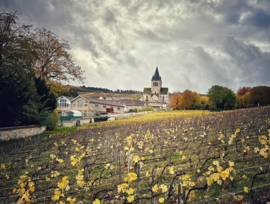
(156,83)
(156,96)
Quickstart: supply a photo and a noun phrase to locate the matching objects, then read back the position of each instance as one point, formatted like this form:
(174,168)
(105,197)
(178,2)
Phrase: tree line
(222,98)
(34,62)
(105,90)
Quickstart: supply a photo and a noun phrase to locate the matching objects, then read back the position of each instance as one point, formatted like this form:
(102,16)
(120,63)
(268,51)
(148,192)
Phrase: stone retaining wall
(20,132)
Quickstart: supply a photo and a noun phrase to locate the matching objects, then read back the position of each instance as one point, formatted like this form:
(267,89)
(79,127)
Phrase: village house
(156,96)
(133,104)
(87,107)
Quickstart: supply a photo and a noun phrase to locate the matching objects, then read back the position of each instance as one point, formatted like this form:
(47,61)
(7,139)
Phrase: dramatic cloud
(196,44)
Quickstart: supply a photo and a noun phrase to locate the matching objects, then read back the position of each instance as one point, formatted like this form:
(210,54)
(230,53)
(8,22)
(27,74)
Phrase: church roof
(147,91)
(162,91)
(156,76)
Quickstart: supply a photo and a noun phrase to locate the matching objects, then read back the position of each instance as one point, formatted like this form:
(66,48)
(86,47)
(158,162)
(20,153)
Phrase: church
(156,96)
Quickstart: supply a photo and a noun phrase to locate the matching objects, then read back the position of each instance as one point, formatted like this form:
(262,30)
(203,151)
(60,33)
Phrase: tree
(241,102)
(191,99)
(266,90)
(257,96)
(243,90)
(196,100)
(176,100)
(54,63)
(23,97)
(221,98)
(17,56)
(57,88)
(204,102)
(17,104)
(187,99)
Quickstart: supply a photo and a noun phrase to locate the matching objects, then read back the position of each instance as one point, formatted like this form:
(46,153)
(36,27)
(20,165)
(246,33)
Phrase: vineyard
(162,157)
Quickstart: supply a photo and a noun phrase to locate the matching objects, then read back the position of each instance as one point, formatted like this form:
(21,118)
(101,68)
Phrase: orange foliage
(191,99)
(176,100)
(204,100)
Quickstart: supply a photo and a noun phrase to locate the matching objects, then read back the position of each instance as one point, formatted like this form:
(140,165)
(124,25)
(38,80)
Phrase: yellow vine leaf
(155,188)
(246,189)
(130,198)
(97,201)
(161,200)
(209,181)
(122,188)
(130,191)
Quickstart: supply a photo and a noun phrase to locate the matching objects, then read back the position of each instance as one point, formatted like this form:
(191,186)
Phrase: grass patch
(58,130)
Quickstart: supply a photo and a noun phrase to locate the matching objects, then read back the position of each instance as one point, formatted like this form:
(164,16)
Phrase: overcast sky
(195,43)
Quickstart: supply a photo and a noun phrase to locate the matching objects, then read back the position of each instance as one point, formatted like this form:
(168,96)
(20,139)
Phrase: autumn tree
(54,63)
(221,98)
(243,90)
(191,99)
(266,90)
(243,97)
(243,101)
(204,102)
(196,100)
(57,88)
(257,96)
(176,100)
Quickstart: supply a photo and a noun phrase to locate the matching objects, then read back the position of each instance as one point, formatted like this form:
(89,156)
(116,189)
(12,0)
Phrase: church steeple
(156,83)
(156,76)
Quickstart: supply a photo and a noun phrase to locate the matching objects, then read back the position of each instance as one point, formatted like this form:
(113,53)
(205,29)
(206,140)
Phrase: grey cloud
(251,64)
(120,41)
(260,19)
(240,52)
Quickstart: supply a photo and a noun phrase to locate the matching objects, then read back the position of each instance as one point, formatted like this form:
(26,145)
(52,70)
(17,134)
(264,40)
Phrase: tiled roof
(105,102)
(132,102)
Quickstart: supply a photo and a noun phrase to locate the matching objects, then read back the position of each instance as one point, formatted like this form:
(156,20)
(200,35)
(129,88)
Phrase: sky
(195,43)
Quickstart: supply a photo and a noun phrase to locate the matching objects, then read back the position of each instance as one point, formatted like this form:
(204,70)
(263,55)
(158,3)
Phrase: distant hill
(96,92)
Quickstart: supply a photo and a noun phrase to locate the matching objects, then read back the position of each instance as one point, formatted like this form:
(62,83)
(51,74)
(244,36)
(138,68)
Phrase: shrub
(53,120)
(148,108)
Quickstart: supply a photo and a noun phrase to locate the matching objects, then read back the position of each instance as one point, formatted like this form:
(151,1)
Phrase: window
(104,106)
(85,113)
(118,108)
(111,107)
(63,103)
(80,103)
(96,105)
(74,105)
(85,104)
(155,83)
